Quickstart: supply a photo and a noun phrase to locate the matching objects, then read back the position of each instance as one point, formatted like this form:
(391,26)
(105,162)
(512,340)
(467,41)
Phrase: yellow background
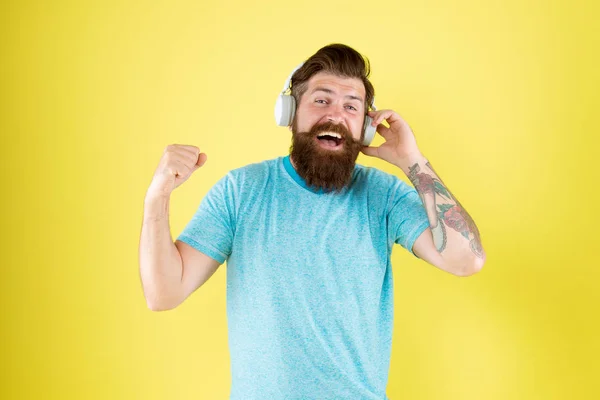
(502,97)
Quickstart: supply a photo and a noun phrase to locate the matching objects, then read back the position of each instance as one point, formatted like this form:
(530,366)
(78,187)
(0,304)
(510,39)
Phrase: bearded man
(308,239)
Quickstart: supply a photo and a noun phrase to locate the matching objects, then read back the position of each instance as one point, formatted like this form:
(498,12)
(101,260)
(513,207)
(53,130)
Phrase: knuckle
(172,158)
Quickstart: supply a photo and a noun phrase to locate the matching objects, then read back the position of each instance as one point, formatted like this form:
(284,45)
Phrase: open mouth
(330,140)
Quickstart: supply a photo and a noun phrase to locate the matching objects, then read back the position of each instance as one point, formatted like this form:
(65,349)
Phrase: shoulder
(250,175)
(254,170)
(378,180)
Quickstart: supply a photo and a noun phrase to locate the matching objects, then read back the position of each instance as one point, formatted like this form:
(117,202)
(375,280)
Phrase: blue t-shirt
(309,278)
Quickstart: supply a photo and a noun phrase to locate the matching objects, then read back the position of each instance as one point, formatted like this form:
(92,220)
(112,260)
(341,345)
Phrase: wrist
(154,198)
(406,162)
(157,192)
(156,206)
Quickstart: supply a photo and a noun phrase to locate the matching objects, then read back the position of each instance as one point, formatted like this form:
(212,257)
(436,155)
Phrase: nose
(335,114)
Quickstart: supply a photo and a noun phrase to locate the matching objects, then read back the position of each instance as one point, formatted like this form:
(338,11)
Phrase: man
(308,239)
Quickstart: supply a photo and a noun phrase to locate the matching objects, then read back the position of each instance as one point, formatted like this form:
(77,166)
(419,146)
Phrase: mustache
(331,127)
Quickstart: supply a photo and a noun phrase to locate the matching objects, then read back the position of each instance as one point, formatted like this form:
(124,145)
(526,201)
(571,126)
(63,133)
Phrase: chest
(298,233)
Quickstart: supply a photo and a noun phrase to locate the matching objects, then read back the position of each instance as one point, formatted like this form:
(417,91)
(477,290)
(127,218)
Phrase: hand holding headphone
(285,108)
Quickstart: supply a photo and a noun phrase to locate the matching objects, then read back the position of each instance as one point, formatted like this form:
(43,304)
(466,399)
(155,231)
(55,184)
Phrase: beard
(321,168)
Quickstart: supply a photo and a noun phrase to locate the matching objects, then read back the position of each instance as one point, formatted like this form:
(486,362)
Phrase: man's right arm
(169,271)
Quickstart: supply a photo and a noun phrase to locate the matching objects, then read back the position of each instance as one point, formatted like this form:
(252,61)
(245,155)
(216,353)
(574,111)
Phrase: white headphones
(285,108)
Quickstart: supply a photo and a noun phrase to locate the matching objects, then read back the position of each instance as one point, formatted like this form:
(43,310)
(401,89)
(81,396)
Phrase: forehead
(342,85)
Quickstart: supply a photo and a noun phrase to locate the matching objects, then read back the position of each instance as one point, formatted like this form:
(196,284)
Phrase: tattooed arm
(452,241)
(452,234)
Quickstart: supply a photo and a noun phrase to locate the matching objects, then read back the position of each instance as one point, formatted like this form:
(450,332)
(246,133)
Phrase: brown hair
(337,59)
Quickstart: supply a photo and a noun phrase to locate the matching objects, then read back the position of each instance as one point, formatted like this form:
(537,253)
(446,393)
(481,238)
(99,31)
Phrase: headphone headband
(288,81)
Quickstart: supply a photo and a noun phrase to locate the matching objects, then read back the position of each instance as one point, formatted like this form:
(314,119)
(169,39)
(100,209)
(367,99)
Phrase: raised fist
(175,167)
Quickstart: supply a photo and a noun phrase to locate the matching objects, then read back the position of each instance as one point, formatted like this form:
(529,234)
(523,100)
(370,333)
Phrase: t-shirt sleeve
(407,218)
(211,229)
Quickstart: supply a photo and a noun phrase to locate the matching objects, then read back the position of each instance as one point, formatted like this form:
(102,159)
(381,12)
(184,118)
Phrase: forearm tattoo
(448,213)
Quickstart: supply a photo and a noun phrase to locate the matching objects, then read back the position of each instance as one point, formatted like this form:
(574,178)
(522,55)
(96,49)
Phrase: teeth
(337,135)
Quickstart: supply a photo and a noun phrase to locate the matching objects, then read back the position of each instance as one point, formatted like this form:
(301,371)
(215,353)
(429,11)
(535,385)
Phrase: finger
(383,130)
(189,147)
(370,151)
(180,151)
(390,116)
(202,157)
(374,116)
(383,115)
(394,117)
(190,151)
(378,112)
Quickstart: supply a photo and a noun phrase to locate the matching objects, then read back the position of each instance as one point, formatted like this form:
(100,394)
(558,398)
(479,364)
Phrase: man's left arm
(452,241)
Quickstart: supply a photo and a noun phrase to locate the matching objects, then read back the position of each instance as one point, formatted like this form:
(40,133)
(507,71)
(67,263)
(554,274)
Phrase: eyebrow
(326,90)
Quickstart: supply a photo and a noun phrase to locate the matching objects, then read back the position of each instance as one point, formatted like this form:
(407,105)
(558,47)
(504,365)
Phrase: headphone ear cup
(369,131)
(285,108)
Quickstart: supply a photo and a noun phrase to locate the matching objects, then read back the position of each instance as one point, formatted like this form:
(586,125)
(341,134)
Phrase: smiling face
(331,98)
(327,130)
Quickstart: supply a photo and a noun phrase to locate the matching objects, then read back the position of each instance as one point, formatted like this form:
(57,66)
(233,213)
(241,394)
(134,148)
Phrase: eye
(320,100)
(352,108)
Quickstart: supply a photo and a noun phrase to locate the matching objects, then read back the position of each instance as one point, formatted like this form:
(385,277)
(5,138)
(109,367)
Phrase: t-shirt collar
(294,175)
